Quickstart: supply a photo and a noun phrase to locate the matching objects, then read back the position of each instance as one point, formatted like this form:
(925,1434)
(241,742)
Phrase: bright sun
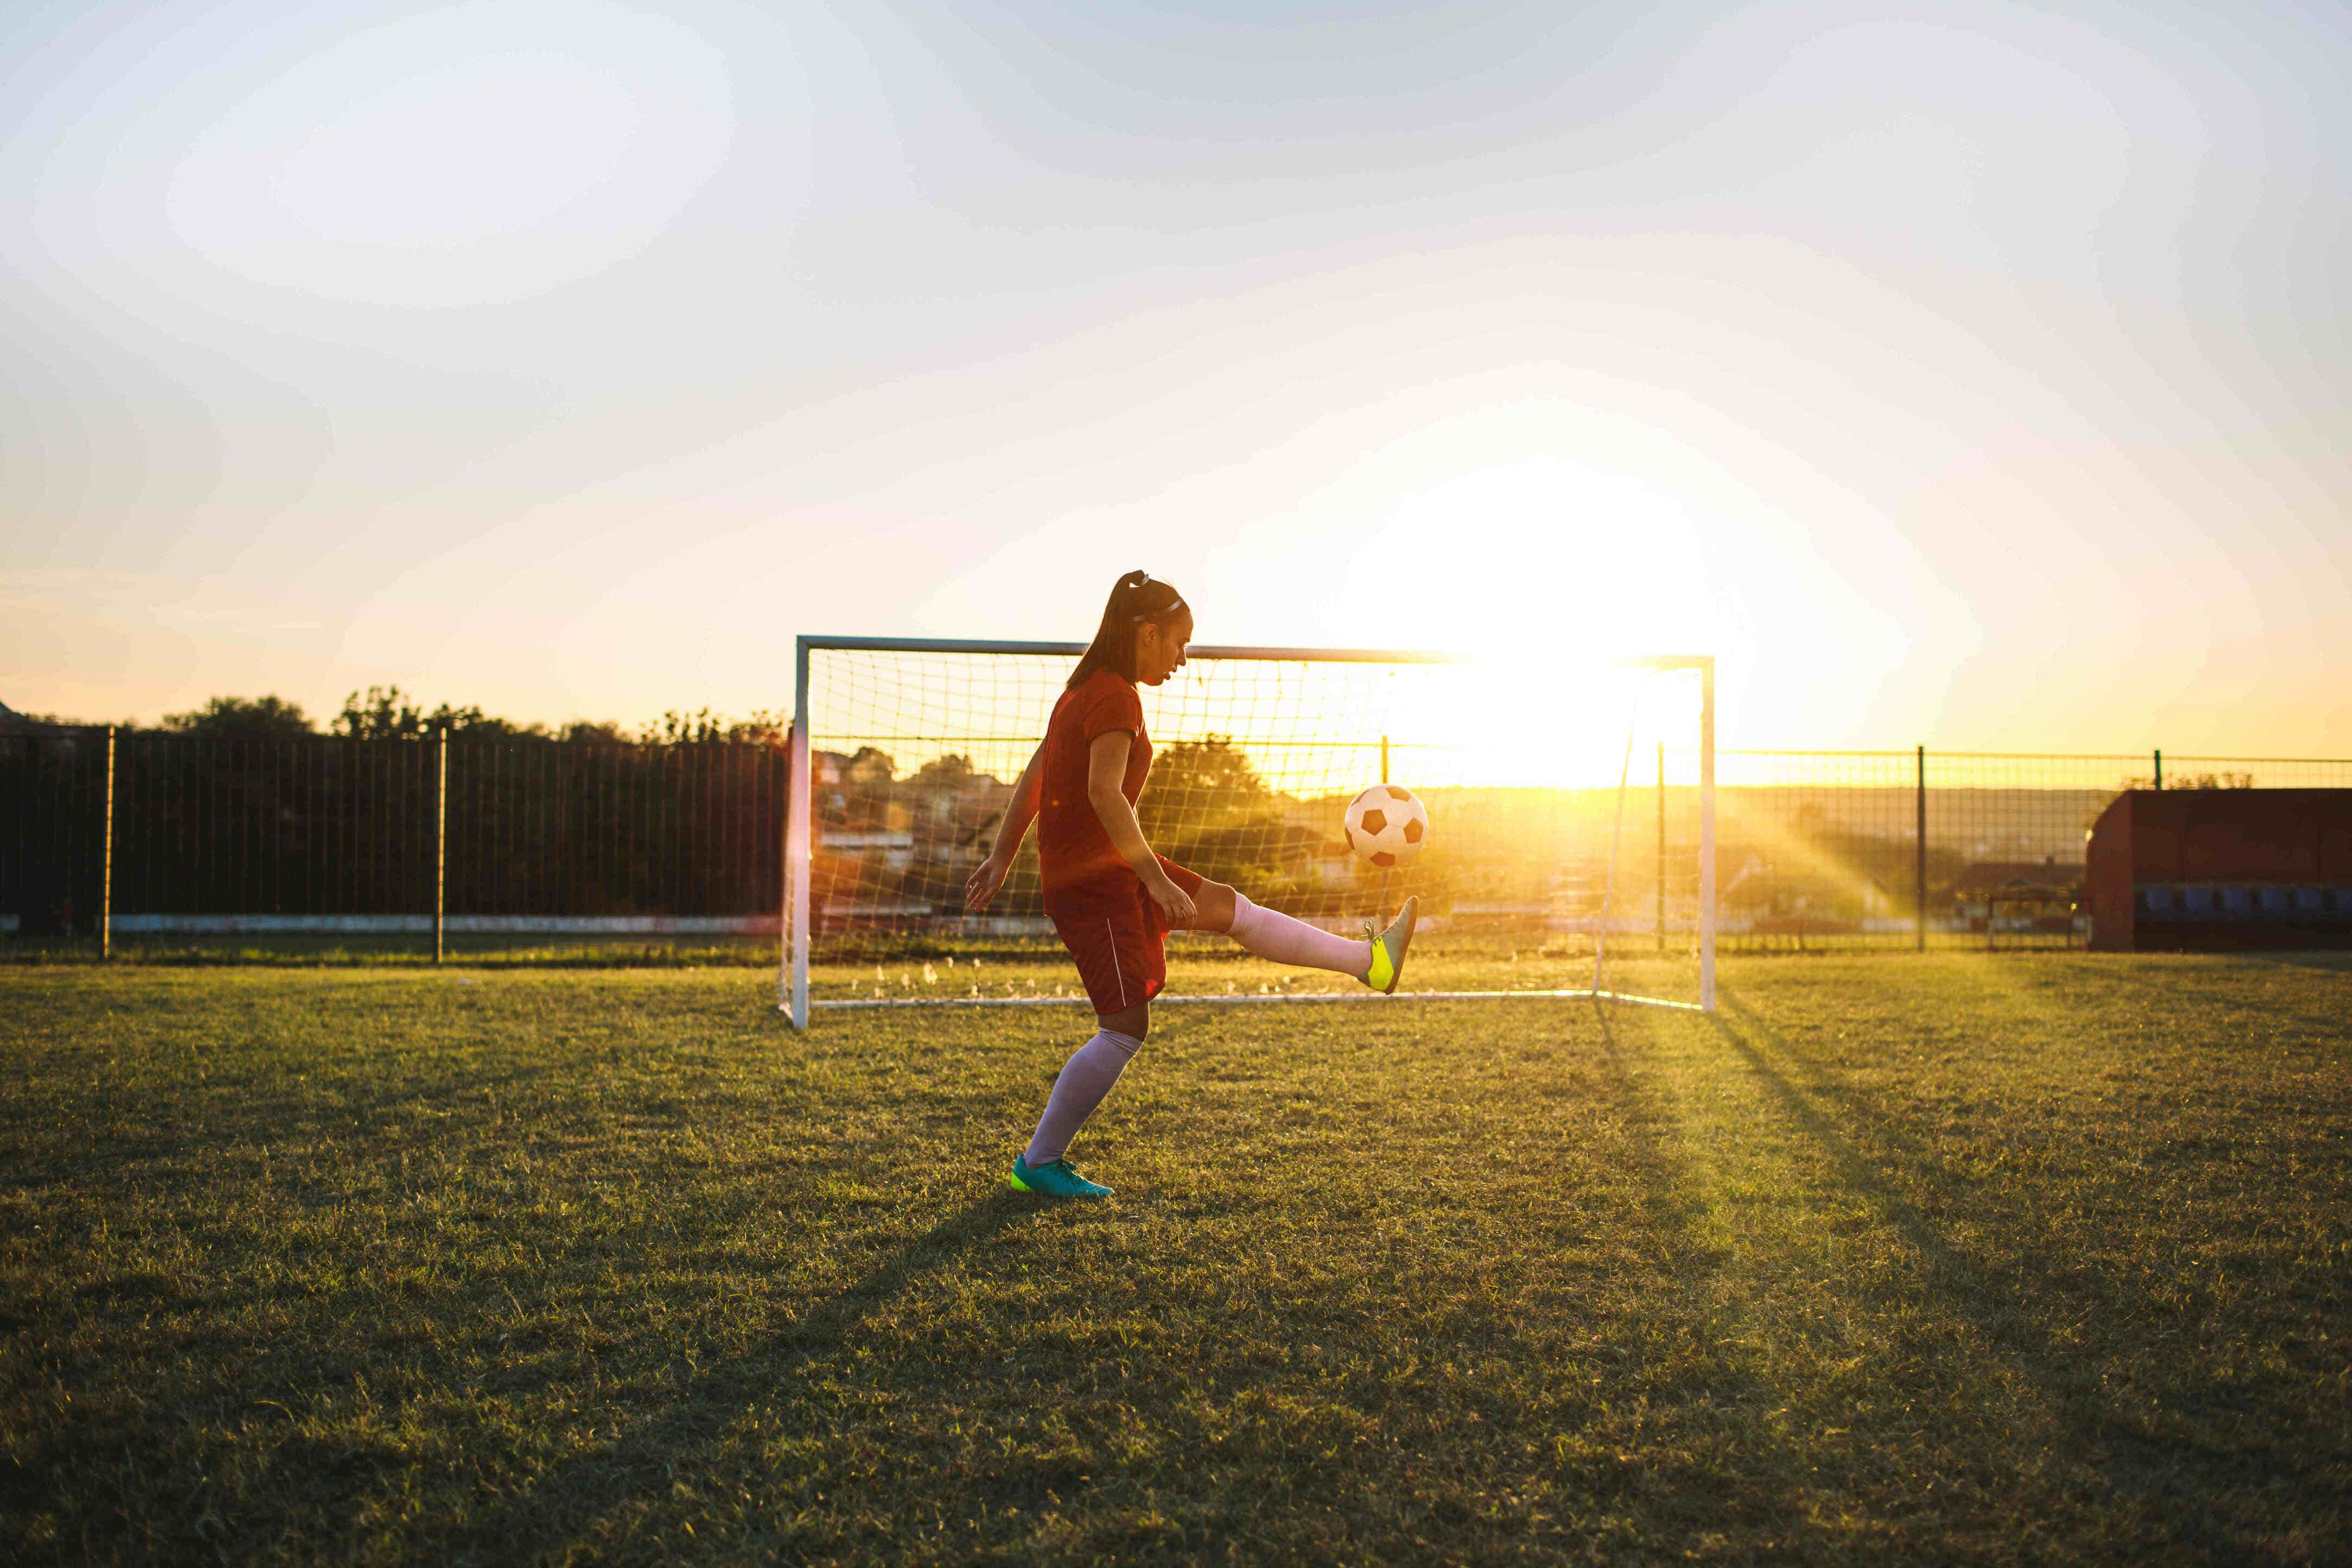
(1545,571)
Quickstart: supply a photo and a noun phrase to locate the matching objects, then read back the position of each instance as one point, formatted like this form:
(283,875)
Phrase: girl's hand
(1173,901)
(983,885)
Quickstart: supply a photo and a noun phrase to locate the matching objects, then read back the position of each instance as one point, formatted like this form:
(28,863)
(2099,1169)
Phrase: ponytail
(1134,598)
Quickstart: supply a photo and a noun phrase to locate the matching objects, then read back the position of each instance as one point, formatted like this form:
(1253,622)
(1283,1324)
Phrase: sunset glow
(1966,376)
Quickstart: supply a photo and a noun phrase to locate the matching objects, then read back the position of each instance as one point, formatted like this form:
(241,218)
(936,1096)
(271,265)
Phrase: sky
(1969,374)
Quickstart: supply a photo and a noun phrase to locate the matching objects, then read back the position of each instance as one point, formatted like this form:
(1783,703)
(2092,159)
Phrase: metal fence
(1816,848)
(333,834)
(1889,849)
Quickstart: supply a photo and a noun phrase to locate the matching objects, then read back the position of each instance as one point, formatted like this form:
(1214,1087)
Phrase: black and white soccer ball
(1386,824)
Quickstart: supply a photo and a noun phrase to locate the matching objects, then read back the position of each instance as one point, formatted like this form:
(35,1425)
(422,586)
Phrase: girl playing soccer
(1112,901)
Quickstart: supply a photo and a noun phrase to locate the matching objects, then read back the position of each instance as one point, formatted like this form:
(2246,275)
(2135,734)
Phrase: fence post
(1384,759)
(1661,846)
(2159,768)
(440,834)
(105,867)
(1919,849)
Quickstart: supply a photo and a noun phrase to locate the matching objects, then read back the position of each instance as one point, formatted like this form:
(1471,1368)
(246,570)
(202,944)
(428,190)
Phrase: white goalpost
(1572,815)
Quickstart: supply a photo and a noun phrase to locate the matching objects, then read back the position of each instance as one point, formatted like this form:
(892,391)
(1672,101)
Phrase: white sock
(1288,941)
(1085,1079)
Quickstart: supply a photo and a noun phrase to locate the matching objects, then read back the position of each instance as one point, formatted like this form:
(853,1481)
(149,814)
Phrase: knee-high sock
(1085,1077)
(1288,941)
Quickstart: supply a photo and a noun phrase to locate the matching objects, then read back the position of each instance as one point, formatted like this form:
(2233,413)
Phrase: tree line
(389,713)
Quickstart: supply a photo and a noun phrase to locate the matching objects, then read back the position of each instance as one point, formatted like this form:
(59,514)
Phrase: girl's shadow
(551,1510)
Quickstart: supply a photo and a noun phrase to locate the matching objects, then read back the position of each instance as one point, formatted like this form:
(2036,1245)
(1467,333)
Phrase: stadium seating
(2205,869)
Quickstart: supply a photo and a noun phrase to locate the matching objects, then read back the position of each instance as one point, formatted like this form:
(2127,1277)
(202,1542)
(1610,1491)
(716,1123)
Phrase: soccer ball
(1386,825)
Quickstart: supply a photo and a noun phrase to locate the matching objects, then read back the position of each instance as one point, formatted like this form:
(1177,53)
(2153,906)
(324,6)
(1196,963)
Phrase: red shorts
(1117,936)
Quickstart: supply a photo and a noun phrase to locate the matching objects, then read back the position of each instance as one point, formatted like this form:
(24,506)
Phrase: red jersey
(1072,847)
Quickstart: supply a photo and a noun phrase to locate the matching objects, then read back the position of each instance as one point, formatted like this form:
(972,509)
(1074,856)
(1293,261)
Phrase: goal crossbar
(796,1004)
(1216,651)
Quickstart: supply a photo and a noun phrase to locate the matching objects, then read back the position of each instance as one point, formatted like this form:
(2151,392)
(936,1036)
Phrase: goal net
(1569,849)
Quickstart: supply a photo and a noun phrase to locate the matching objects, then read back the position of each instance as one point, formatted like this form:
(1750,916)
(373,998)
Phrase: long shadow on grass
(561,1504)
(1764,1498)
(2003,1311)
(1671,1203)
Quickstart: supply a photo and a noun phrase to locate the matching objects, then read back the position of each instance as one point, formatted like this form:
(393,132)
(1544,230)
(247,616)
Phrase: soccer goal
(1571,851)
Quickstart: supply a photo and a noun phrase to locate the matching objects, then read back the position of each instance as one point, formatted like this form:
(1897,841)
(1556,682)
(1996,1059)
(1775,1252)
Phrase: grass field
(1959,1258)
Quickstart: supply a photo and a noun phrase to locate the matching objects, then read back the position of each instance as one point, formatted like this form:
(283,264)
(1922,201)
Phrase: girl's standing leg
(1084,1081)
(1117,946)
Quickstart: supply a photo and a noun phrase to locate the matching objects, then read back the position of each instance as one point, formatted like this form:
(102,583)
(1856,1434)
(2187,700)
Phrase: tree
(871,767)
(703,727)
(388,712)
(766,727)
(241,719)
(1199,786)
(15,723)
(937,791)
(949,775)
(1207,807)
(865,788)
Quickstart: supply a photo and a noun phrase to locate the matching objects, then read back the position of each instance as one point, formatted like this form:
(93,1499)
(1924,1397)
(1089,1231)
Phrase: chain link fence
(386,837)
(1893,849)
(1816,851)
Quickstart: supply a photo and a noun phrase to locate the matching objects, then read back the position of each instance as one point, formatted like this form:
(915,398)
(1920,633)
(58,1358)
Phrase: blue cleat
(1055,1178)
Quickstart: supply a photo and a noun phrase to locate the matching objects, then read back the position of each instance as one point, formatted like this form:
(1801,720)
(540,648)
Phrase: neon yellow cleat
(1388,948)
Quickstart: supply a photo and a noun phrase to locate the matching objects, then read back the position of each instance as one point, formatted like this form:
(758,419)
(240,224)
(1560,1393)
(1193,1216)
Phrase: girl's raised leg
(1377,960)
(1272,934)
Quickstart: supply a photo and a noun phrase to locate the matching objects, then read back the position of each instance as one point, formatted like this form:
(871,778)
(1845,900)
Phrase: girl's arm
(1019,812)
(1106,770)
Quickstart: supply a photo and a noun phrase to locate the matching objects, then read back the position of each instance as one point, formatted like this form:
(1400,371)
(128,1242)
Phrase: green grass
(2039,1258)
